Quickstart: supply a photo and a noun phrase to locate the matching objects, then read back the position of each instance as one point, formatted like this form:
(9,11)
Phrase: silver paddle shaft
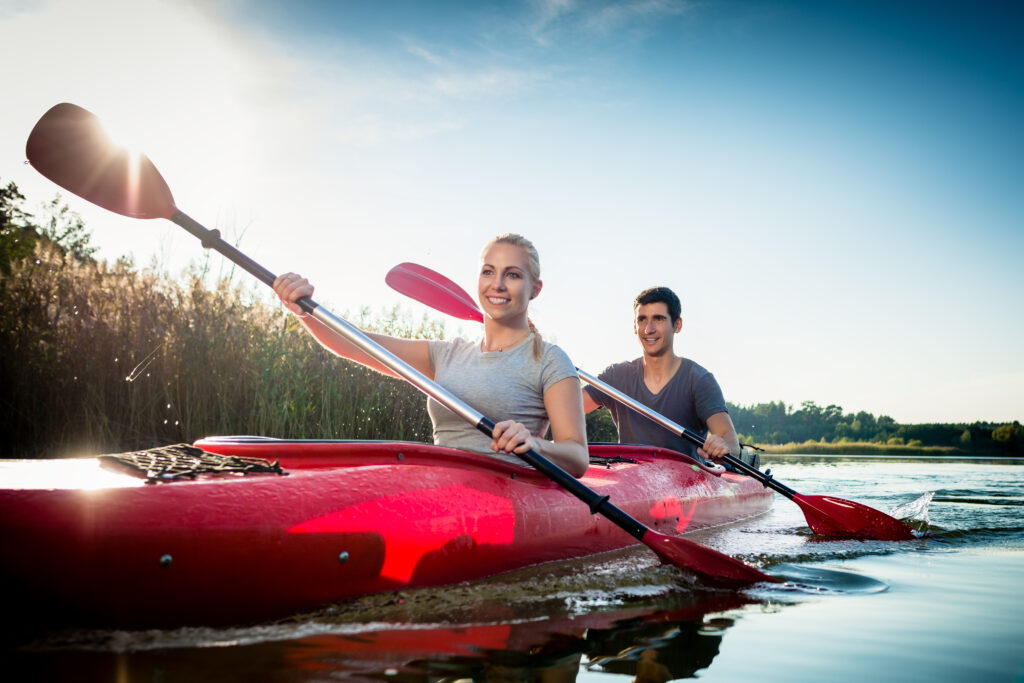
(211,239)
(410,374)
(668,424)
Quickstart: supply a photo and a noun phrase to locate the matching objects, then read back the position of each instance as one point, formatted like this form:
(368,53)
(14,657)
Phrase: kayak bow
(338,519)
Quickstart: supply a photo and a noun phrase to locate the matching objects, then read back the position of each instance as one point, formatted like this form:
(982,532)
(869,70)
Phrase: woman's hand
(289,288)
(511,437)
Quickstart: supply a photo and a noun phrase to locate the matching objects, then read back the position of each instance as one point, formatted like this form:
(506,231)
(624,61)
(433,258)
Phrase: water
(946,606)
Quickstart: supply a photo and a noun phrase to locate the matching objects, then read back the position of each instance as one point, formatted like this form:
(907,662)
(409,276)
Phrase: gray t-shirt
(503,385)
(689,399)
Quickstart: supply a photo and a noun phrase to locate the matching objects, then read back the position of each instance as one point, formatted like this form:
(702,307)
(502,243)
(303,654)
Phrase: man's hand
(714,447)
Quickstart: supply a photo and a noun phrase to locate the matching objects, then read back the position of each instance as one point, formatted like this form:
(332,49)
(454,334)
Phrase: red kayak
(262,527)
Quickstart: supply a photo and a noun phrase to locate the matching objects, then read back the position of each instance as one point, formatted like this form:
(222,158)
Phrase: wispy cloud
(553,19)
(467,75)
(620,16)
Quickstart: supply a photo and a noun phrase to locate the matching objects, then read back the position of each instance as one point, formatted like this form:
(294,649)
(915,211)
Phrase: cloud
(556,19)
(616,16)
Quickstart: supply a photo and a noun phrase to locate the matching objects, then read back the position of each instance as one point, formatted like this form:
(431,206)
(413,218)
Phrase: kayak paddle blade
(434,290)
(713,567)
(829,516)
(69,146)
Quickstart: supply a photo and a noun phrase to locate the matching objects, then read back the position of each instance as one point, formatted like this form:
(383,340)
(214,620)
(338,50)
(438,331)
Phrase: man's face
(654,328)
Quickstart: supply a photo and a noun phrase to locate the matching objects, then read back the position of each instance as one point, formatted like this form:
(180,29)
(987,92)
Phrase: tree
(601,428)
(17,238)
(67,229)
(1006,434)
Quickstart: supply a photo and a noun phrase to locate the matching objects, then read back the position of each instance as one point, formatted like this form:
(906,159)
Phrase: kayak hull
(350,518)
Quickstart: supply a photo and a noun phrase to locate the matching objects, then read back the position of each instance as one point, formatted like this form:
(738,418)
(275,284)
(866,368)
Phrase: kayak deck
(348,518)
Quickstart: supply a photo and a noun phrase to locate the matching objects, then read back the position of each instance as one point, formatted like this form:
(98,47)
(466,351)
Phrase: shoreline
(868,448)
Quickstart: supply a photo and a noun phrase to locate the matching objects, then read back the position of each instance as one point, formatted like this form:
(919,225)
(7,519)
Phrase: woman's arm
(415,352)
(568,446)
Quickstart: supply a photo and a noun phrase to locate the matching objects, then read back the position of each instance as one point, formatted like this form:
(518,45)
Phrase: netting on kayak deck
(609,460)
(184,461)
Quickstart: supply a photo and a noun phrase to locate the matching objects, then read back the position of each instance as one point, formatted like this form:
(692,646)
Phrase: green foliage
(1008,435)
(600,427)
(63,226)
(17,238)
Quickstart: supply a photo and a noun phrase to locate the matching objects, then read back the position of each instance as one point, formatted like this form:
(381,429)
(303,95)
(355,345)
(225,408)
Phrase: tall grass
(854,448)
(98,357)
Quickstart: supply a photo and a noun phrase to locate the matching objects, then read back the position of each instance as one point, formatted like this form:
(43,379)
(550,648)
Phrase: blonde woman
(511,374)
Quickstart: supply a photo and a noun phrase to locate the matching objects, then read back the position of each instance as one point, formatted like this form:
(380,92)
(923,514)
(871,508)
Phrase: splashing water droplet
(915,510)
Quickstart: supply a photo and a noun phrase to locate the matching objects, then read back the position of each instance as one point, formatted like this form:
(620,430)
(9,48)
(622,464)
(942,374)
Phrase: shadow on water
(624,614)
(650,644)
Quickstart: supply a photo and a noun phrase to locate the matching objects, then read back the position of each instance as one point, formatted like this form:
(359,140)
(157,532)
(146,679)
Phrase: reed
(854,448)
(98,357)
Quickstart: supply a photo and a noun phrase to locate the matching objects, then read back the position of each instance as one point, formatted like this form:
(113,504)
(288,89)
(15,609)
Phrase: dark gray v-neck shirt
(689,399)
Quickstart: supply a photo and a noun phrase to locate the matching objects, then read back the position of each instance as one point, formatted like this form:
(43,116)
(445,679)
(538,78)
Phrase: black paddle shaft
(597,503)
(765,477)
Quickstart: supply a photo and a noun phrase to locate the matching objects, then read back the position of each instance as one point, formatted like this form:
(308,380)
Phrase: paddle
(69,147)
(826,515)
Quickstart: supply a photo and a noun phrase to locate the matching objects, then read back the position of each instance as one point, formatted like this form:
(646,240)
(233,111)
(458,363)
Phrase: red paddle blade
(433,289)
(713,567)
(830,516)
(69,146)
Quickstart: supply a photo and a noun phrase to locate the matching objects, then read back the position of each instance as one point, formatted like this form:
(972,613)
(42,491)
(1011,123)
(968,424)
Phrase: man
(671,385)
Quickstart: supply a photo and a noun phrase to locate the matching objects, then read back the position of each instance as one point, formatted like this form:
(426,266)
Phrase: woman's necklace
(501,347)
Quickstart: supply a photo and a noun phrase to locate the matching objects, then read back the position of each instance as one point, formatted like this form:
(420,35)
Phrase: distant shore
(869,448)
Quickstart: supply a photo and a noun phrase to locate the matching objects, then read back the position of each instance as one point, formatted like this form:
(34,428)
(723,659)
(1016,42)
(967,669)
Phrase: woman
(511,374)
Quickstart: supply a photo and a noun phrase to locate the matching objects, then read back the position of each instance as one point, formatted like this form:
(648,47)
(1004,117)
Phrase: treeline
(98,357)
(777,423)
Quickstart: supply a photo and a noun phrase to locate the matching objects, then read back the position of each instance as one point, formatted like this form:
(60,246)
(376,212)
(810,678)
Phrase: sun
(185,105)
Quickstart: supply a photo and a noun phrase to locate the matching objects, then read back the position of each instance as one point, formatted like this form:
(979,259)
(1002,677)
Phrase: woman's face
(506,287)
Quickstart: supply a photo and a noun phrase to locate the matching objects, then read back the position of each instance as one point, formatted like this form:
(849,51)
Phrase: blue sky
(834,189)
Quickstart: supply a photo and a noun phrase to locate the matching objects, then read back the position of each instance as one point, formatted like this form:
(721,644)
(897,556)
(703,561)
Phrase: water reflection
(648,645)
(644,641)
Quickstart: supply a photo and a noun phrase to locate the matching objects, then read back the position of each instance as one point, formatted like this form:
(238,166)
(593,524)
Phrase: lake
(947,606)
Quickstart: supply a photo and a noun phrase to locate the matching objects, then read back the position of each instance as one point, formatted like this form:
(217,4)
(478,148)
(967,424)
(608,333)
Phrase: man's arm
(589,404)
(721,438)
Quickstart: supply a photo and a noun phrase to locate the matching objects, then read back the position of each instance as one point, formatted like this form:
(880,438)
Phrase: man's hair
(660,294)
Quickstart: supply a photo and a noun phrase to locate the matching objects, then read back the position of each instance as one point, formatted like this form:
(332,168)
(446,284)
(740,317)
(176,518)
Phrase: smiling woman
(529,386)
